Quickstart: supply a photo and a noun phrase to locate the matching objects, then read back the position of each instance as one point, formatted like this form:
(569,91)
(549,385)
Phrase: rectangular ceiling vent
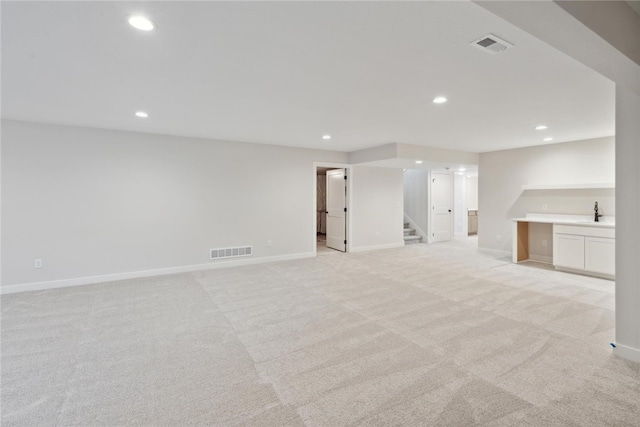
(230,252)
(491,44)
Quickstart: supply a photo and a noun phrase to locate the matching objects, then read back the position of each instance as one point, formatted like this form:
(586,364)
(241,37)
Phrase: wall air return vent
(230,252)
(491,44)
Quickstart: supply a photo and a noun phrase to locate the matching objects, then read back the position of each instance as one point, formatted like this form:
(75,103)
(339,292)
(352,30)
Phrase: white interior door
(441,206)
(336,209)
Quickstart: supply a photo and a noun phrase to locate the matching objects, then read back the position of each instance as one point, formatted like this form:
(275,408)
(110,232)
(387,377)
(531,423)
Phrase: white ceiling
(286,73)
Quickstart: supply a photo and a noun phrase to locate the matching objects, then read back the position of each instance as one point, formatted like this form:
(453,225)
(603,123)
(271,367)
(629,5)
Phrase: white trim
(585,273)
(495,252)
(90,280)
(626,352)
(376,247)
(610,185)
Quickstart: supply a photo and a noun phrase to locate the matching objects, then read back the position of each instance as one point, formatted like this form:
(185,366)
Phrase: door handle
(449,210)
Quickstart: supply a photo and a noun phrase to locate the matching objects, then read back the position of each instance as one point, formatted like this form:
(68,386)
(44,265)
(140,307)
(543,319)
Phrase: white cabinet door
(600,255)
(568,251)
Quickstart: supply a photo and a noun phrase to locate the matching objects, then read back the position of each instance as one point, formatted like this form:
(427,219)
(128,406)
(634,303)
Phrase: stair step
(409,231)
(412,239)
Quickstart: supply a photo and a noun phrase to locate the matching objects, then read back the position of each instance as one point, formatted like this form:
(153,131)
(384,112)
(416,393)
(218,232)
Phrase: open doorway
(441,203)
(465,194)
(428,205)
(466,214)
(331,212)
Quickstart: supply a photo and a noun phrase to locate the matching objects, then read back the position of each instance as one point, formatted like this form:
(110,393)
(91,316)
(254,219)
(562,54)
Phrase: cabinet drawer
(585,230)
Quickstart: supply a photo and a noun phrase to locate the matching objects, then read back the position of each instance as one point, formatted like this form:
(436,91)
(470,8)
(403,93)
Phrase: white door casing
(441,206)
(336,209)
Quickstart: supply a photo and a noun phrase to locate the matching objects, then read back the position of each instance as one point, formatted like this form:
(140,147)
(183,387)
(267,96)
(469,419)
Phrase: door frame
(314,205)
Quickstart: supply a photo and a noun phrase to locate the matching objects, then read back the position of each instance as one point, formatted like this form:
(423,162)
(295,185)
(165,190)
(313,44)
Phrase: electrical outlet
(377,234)
(545,207)
(498,238)
(544,242)
(269,243)
(37,263)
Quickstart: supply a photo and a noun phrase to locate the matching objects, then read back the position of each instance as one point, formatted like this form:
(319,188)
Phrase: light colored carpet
(435,335)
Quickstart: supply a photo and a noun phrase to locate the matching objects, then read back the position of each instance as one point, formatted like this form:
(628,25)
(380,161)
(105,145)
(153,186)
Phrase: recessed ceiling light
(541,127)
(141,23)
(142,114)
(418,162)
(326,136)
(547,139)
(439,100)
(462,169)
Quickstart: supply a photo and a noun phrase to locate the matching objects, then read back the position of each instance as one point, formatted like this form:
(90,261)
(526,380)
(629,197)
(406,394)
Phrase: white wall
(502,174)
(376,208)
(92,202)
(627,224)
(416,199)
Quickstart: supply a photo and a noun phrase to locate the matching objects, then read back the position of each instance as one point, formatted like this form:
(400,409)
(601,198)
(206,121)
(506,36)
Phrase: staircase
(410,235)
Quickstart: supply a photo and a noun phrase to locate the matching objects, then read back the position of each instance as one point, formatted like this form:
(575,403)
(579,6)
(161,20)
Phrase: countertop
(579,220)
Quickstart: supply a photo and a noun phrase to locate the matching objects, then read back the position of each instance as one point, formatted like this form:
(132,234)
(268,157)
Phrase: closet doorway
(331,211)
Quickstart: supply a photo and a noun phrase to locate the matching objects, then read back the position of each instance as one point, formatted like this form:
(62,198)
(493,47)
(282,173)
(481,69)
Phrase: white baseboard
(90,280)
(628,353)
(495,252)
(376,247)
(585,273)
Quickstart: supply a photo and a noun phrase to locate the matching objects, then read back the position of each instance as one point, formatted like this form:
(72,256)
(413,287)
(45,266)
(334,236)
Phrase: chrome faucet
(597,215)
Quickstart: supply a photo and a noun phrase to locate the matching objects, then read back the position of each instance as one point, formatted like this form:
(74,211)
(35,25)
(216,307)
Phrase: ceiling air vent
(491,44)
